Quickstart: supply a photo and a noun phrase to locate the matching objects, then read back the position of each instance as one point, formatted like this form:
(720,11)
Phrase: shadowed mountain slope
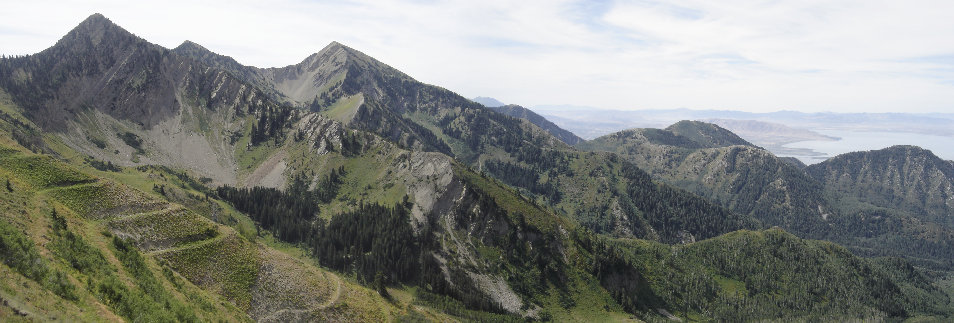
(517,111)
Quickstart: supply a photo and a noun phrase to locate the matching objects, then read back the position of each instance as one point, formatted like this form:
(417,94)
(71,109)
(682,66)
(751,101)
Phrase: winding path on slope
(335,296)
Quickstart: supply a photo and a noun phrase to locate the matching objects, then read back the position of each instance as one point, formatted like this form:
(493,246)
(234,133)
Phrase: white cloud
(734,54)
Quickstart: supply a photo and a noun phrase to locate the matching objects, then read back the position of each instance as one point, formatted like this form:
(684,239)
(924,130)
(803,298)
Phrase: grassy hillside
(472,238)
(62,264)
(79,244)
(165,214)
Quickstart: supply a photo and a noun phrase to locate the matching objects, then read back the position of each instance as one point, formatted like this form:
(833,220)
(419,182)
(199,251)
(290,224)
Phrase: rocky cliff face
(249,74)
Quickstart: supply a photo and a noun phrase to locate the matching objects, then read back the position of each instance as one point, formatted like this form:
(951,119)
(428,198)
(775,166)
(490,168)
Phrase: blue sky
(806,55)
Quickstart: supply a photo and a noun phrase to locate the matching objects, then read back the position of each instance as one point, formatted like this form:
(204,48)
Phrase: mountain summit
(707,134)
(95,28)
(96,65)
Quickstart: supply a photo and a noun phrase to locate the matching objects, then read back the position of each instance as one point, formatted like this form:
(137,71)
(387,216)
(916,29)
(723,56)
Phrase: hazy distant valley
(810,137)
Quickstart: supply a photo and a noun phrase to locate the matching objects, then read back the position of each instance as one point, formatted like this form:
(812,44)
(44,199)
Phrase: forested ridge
(751,275)
(906,178)
(369,240)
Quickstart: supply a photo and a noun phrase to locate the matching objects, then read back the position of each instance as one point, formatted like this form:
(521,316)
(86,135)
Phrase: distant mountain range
(775,131)
(155,184)
(614,120)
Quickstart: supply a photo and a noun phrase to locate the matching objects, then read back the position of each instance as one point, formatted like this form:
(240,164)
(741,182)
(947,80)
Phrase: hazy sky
(803,55)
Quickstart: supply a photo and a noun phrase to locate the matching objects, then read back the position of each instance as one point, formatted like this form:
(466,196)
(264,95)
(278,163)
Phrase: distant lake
(867,140)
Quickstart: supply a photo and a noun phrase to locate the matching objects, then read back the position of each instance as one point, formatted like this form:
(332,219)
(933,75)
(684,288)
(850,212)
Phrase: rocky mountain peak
(190,46)
(95,30)
(335,45)
(97,20)
(191,49)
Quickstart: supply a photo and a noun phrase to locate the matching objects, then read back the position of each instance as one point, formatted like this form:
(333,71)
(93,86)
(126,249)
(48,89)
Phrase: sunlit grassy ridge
(79,270)
(42,172)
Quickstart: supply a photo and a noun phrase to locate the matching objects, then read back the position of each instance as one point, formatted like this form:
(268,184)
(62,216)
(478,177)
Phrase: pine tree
(379,285)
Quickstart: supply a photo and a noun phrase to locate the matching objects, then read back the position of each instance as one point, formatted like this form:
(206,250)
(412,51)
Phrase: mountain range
(155,184)
(810,137)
